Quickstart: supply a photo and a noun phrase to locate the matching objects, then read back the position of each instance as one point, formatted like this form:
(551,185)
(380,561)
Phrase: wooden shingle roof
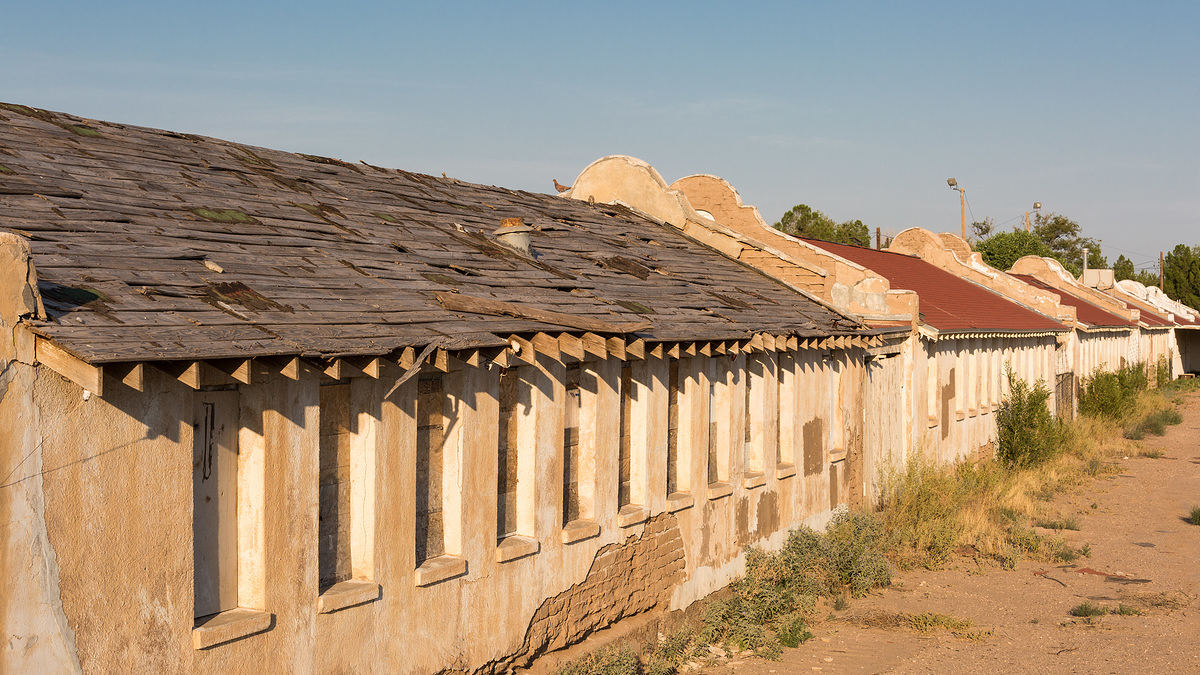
(153,245)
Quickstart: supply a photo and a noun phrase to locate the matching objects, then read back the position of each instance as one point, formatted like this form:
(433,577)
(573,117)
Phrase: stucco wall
(112,477)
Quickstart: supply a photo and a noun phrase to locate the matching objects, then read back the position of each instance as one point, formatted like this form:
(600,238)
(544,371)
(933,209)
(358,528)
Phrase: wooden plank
(286,366)
(546,344)
(675,350)
(523,349)
(657,350)
(616,347)
(595,345)
(706,348)
(341,369)
(503,358)
(90,377)
(132,375)
(457,302)
(793,343)
(471,357)
(719,347)
(408,356)
(369,366)
(571,346)
(691,349)
(245,371)
(635,348)
(187,372)
(756,342)
(441,360)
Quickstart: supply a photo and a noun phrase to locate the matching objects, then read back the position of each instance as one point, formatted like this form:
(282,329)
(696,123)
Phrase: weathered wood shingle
(155,245)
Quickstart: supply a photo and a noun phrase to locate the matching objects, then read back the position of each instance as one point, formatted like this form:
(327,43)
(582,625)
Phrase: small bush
(794,632)
(1087,609)
(1125,610)
(1162,372)
(611,660)
(1194,516)
(1155,423)
(1027,433)
(767,605)
(672,651)
(1110,394)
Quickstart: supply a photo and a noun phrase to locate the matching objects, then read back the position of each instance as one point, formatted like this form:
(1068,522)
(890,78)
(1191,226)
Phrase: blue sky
(859,109)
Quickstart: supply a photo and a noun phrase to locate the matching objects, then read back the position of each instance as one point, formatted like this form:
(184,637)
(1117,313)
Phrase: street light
(962,204)
(1036,206)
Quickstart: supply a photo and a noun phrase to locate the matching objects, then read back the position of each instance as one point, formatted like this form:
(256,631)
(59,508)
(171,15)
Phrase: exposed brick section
(625,579)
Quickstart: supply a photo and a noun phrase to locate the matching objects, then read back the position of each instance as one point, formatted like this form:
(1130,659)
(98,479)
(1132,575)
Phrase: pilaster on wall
(19,297)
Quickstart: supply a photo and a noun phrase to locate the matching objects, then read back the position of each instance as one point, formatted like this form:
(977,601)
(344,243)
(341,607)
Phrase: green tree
(1003,249)
(1123,268)
(1064,237)
(1181,275)
(804,221)
(982,229)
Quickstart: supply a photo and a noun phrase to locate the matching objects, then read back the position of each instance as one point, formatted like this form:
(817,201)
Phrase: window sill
(440,568)
(719,490)
(578,530)
(837,455)
(932,422)
(516,546)
(960,416)
(785,470)
(230,625)
(678,501)
(754,479)
(348,594)
(973,412)
(631,515)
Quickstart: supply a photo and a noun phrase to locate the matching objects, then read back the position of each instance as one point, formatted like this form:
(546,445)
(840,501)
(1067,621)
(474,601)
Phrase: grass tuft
(1087,609)
(1059,523)
(610,660)
(1194,516)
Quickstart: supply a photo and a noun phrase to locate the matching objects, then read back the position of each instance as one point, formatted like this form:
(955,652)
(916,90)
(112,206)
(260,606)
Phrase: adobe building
(946,371)
(1157,335)
(263,407)
(722,222)
(970,337)
(1106,333)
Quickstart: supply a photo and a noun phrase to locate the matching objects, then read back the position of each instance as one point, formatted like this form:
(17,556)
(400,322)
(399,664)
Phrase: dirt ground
(1143,555)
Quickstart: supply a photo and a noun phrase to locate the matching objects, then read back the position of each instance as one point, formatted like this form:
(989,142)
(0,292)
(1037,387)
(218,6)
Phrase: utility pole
(878,245)
(1085,252)
(1026,221)
(962,208)
(1160,269)
(962,203)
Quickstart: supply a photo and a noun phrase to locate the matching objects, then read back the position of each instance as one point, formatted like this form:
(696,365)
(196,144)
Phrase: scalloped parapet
(709,209)
(952,254)
(1051,272)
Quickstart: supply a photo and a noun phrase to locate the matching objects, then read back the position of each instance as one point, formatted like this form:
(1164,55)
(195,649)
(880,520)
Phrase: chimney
(514,233)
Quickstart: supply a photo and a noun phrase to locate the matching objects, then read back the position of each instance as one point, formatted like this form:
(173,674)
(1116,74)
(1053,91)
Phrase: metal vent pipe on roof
(515,234)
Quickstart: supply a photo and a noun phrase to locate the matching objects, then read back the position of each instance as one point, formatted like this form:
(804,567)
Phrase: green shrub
(1162,372)
(1059,523)
(768,605)
(1155,423)
(1027,434)
(1110,394)
(1087,609)
(611,660)
(1194,516)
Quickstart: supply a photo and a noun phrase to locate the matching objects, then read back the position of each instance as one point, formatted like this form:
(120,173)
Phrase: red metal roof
(948,303)
(1150,317)
(1092,315)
